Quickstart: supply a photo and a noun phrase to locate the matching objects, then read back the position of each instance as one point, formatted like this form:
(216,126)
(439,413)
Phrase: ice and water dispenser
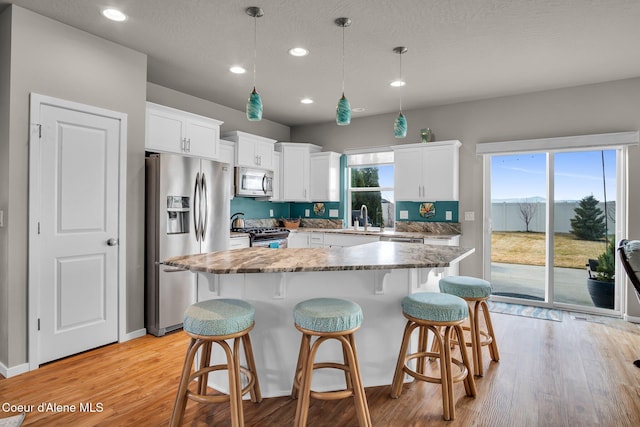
(178,214)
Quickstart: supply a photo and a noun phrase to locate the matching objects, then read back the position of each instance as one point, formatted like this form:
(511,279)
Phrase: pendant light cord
(343,60)
(401,82)
(255,48)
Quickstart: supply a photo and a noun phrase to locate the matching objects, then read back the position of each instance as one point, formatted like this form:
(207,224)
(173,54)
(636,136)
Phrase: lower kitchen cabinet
(238,242)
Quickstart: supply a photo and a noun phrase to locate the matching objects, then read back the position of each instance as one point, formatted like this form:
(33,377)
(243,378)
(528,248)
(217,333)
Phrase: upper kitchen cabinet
(252,150)
(173,131)
(227,155)
(324,185)
(426,172)
(277,177)
(294,171)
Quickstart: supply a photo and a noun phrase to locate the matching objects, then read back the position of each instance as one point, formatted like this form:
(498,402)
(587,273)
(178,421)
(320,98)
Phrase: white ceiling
(459,50)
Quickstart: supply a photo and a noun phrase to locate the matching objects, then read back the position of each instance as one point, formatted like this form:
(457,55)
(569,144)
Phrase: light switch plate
(306,212)
(469,216)
(448,215)
(333,213)
(404,214)
(271,213)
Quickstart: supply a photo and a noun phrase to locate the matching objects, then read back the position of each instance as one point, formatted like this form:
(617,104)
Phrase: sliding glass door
(553,217)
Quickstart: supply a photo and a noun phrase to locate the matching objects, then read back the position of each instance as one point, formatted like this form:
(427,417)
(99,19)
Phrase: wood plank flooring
(578,372)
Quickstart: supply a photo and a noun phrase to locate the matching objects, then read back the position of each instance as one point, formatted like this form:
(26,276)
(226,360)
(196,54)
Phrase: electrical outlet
(404,214)
(306,212)
(333,213)
(470,216)
(448,215)
(271,213)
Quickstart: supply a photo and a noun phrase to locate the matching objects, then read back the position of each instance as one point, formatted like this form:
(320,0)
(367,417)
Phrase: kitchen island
(375,275)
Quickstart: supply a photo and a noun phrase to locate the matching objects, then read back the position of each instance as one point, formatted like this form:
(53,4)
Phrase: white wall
(50,58)
(590,109)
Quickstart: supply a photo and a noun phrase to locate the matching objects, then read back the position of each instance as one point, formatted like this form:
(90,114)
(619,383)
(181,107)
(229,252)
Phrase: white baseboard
(632,319)
(133,335)
(12,372)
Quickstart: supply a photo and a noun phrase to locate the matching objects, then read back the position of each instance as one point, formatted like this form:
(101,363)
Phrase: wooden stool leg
(469,382)
(476,347)
(304,393)
(362,409)
(398,376)
(446,380)
(305,343)
(256,395)
(347,372)
(205,358)
(181,397)
(493,346)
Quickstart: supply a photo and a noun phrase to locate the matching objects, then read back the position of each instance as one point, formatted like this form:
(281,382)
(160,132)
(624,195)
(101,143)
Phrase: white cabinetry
(238,242)
(316,240)
(227,155)
(294,173)
(277,177)
(298,239)
(324,185)
(252,150)
(426,172)
(343,240)
(173,131)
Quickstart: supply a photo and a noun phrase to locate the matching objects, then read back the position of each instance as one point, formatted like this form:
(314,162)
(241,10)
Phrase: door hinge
(38,227)
(39,130)
(38,323)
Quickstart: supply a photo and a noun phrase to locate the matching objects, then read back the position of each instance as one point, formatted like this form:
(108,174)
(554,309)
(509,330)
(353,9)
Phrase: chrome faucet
(365,216)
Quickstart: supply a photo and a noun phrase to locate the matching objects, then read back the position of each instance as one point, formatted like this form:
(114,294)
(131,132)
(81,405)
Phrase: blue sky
(577,174)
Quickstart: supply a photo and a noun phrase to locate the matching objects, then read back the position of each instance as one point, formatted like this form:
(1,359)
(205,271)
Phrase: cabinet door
(295,174)
(264,154)
(324,177)
(439,174)
(227,153)
(408,175)
(164,131)
(202,138)
(245,152)
(298,239)
(277,178)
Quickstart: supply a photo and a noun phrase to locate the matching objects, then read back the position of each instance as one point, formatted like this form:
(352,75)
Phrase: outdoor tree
(588,224)
(366,178)
(527,212)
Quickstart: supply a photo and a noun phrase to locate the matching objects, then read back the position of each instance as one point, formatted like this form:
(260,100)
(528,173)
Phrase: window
(370,178)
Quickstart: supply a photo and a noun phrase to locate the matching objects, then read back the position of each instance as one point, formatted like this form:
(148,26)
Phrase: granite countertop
(370,256)
(375,232)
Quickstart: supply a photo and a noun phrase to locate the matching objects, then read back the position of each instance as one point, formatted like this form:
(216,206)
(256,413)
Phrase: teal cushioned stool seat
(327,315)
(466,286)
(214,322)
(441,315)
(435,307)
(475,291)
(320,320)
(218,317)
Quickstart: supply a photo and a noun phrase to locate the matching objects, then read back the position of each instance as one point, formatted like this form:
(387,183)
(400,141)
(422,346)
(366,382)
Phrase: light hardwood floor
(578,372)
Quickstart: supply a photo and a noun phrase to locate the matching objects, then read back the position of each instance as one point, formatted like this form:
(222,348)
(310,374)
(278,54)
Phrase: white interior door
(77,271)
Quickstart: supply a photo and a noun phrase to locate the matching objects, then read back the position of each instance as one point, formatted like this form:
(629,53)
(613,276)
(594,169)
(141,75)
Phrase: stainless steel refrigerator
(187,212)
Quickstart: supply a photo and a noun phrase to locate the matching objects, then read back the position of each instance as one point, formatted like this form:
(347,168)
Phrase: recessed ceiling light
(298,51)
(397,83)
(357,109)
(114,15)
(306,101)
(236,69)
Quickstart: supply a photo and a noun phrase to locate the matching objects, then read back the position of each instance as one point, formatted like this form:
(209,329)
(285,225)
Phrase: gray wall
(53,59)
(591,109)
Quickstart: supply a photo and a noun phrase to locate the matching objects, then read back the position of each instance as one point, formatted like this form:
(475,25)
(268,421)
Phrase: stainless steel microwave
(252,182)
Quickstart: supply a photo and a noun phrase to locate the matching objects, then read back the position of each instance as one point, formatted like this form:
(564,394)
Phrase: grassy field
(529,249)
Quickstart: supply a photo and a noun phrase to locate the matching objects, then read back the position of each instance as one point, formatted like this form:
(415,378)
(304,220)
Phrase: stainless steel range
(267,237)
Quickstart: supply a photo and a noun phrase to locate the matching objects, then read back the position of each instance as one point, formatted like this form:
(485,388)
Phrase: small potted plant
(601,280)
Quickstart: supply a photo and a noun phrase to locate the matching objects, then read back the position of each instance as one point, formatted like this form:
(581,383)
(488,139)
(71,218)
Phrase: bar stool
(476,292)
(328,318)
(430,311)
(215,321)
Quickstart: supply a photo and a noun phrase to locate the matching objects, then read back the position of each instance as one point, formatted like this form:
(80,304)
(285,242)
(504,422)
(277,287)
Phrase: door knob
(112,241)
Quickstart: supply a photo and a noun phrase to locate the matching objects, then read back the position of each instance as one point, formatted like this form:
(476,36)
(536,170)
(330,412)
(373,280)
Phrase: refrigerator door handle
(203,187)
(196,207)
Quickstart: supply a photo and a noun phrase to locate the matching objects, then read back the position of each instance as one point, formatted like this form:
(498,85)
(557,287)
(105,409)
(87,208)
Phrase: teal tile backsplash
(440,211)
(258,209)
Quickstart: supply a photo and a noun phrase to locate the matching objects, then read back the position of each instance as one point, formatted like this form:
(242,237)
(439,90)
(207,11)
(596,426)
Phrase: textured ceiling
(459,50)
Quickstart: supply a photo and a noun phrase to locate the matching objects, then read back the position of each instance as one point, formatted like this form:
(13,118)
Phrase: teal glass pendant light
(254,103)
(400,125)
(343,109)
